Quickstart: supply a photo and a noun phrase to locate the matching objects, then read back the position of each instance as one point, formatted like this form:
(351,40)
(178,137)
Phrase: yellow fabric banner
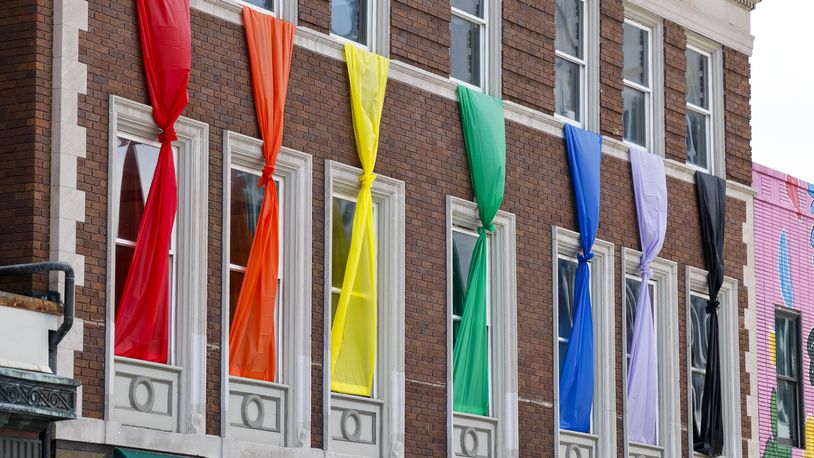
(353,333)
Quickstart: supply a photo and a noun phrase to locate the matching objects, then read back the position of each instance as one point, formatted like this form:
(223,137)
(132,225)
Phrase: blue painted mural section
(784,268)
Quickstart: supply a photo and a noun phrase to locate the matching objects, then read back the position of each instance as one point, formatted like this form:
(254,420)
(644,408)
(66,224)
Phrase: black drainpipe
(54,337)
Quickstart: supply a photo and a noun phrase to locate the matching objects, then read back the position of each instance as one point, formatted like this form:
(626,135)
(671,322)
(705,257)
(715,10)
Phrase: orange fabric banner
(252,346)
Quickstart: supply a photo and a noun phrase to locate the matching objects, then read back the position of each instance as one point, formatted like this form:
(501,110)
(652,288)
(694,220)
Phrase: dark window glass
(566,275)
(789,397)
(463,244)
(349,19)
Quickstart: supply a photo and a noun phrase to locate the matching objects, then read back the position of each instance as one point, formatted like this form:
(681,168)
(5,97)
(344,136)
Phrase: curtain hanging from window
(252,343)
(485,137)
(141,328)
(577,376)
(650,190)
(353,333)
(712,208)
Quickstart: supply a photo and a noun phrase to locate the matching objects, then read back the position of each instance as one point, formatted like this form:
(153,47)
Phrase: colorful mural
(784,270)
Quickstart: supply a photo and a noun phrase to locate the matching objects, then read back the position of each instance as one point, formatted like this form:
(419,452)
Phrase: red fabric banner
(252,335)
(143,314)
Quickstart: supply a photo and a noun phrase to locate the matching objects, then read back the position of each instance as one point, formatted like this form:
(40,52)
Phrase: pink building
(784,271)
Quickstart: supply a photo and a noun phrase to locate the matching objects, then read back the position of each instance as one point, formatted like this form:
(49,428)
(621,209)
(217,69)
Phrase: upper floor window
(637,92)
(268,5)
(789,381)
(699,109)
(351,19)
(468,41)
(570,61)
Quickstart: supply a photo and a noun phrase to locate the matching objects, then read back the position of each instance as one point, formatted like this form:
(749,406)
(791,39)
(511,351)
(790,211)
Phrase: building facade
(78,154)
(784,255)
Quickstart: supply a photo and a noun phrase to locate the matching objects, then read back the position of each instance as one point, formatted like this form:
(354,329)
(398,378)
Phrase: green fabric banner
(485,136)
(126,453)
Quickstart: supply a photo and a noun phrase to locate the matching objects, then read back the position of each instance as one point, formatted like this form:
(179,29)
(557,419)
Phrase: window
(468,41)
(789,381)
(167,397)
(699,113)
(357,425)
(663,297)
(268,5)
(729,356)
(476,435)
(570,61)
(134,166)
(350,20)
(248,408)
(601,439)
(638,83)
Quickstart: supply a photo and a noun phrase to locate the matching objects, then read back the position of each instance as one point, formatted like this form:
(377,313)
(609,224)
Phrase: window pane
(465,50)
(567,89)
(632,286)
(265,4)
(473,7)
(563,350)
(235,283)
(247,199)
(700,323)
(635,116)
(462,246)
(697,138)
(342,218)
(349,19)
(124,256)
(637,55)
(135,165)
(697,396)
(697,79)
(786,346)
(569,27)
(787,410)
(566,274)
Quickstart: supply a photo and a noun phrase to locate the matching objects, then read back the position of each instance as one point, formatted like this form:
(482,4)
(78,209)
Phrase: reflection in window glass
(569,27)
(637,54)
(463,243)
(635,116)
(342,230)
(568,85)
(265,4)
(632,287)
(636,93)
(697,138)
(566,275)
(473,7)
(787,353)
(698,356)
(465,50)
(697,77)
(699,115)
(349,19)
(569,64)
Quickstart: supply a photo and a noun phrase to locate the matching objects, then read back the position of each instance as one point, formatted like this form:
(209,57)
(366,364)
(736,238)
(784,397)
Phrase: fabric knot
(586,258)
(267,175)
(712,305)
(168,135)
(366,181)
(646,271)
(488,228)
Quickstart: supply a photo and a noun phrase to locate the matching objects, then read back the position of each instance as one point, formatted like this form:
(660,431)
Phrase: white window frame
(186,378)
(232,10)
(293,172)
(643,19)
(795,317)
(716,140)
(388,195)
(378,28)
(589,69)
(730,358)
(665,280)
(602,439)
(502,289)
(490,47)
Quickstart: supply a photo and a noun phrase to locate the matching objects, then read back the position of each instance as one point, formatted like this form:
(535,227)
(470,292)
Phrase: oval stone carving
(349,416)
(248,401)
(469,442)
(573,451)
(145,405)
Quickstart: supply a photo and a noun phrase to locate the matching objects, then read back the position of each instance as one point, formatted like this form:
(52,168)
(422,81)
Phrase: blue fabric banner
(577,376)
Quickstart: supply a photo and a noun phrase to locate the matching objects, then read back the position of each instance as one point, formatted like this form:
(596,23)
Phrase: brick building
(75,110)
(784,256)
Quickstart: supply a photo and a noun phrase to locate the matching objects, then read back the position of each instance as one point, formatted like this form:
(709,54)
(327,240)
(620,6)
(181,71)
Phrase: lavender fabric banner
(650,189)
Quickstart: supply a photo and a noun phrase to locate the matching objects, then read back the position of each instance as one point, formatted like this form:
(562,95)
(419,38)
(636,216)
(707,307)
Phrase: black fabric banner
(711,206)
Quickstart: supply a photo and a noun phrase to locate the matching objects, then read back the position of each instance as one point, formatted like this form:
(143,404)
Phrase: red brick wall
(611,62)
(25,137)
(737,92)
(422,145)
(675,89)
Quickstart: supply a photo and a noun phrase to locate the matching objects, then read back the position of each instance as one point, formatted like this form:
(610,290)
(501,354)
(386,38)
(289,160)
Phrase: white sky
(783,86)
